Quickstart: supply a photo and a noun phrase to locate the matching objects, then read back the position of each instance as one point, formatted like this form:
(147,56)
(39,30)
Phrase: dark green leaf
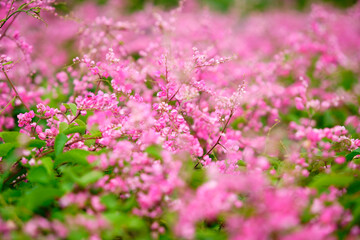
(322,182)
(89,178)
(351,155)
(63,126)
(5,148)
(7,63)
(38,175)
(110,201)
(197,178)
(75,129)
(89,142)
(154,151)
(40,196)
(60,141)
(76,156)
(36,143)
(73,108)
(80,122)
(48,163)
(10,136)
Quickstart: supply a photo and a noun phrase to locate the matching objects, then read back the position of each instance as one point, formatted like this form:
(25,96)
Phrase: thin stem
(98,86)
(18,96)
(64,115)
(222,146)
(15,170)
(20,48)
(44,153)
(218,140)
(18,11)
(166,70)
(222,132)
(268,134)
(8,26)
(77,115)
(8,105)
(16,92)
(166,78)
(81,139)
(12,3)
(33,131)
(174,94)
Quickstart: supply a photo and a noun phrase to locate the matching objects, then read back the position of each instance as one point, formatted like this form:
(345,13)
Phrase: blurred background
(246,6)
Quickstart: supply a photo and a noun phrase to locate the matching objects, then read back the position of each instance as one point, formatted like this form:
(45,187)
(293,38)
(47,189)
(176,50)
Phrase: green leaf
(60,141)
(9,137)
(5,148)
(197,178)
(89,142)
(94,134)
(172,103)
(351,155)
(73,108)
(76,156)
(154,151)
(76,234)
(128,204)
(129,222)
(323,181)
(149,84)
(63,126)
(7,63)
(48,163)
(210,234)
(89,178)
(38,174)
(241,163)
(11,195)
(354,187)
(110,201)
(36,143)
(348,79)
(40,196)
(75,129)
(80,122)
(237,121)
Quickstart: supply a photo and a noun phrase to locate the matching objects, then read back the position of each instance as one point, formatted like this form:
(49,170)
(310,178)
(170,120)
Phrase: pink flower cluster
(25,118)
(101,101)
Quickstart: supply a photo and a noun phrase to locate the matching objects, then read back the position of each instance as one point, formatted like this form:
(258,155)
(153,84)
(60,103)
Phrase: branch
(175,93)
(18,11)
(18,96)
(8,105)
(8,26)
(77,115)
(98,85)
(218,140)
(222,132)
(14,88)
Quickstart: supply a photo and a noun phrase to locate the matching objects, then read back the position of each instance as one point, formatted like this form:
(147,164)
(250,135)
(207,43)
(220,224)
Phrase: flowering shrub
(178,124)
